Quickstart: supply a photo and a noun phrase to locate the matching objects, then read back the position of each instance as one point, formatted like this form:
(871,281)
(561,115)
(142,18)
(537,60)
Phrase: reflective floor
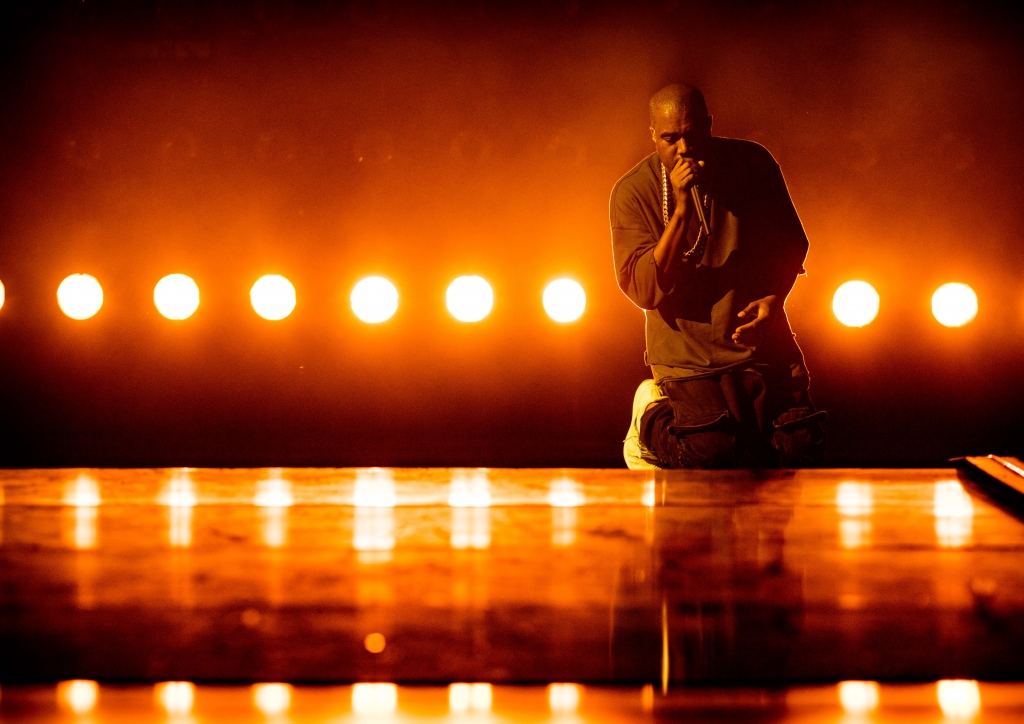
(505,576)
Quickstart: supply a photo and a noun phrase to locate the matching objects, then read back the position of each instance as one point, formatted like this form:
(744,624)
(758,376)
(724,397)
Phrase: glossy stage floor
(592,595)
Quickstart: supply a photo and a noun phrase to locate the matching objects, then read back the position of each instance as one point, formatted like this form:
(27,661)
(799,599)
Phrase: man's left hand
(759,312)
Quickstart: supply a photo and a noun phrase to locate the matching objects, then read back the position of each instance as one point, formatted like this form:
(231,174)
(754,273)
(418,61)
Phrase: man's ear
(653,137)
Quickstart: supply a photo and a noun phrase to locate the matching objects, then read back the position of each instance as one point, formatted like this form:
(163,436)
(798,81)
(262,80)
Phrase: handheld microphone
(695,195)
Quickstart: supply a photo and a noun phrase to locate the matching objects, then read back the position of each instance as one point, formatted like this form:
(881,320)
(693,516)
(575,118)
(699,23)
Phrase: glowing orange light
(80,296)
(959,698)
(375,643)
(374,300)
(175,697)
(954,514)
(176,296)
(274,492)
(374,698)
(954,304)
(273,297)
(564,697)
(469,298)
(3,295)
(855,304)
(469,697)
(858,697)
(564,300)
(78,695)
(272,699)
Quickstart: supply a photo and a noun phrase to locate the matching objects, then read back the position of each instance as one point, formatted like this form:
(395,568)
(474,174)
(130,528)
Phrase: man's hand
(759,312)
(683,175)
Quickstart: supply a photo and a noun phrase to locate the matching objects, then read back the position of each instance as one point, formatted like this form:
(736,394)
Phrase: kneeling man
(707,242)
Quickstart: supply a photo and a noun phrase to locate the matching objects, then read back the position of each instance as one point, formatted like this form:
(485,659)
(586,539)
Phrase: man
(707,242)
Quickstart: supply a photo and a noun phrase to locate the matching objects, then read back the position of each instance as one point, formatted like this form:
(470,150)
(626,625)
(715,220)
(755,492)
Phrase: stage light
(959,698)
(3,295)
(272,699)
(954,304)
(564,300)
(374,300)
(78,695)
(176,296)
(858,697)
(374,698)
(855,304)
(175,697)
(273,297)
(564,697)
(80,296)
(469,298)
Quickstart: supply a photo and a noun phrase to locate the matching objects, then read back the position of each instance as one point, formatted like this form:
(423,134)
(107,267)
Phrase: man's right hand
(683,175)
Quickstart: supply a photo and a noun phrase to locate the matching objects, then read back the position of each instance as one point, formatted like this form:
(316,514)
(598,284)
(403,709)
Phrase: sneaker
(637,456)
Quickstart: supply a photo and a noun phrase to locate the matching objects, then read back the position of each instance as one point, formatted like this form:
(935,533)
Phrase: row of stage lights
(468,298)
(373,300)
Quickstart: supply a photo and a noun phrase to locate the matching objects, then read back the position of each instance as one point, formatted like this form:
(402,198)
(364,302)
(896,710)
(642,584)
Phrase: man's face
(676,133)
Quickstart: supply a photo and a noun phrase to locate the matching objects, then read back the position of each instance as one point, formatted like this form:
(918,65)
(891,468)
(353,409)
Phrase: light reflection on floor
(948,701)
(532,576)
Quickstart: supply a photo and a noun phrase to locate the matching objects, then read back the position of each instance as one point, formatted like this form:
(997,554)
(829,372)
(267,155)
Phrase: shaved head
(679,98)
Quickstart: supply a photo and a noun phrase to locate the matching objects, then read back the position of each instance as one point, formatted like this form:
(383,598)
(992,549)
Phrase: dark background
(331,140)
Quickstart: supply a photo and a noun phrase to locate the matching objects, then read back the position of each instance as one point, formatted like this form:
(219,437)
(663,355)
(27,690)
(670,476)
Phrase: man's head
(680,124)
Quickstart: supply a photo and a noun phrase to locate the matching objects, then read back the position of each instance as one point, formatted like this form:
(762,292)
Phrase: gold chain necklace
(702,240)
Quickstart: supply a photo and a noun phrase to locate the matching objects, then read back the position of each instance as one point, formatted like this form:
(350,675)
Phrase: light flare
(464,697)
(272,699)
(855,304)
(176,296)
(374,300)
(858,697)
(959,698)
(469,298)
(272,297)
(175,697)
(78,695)
(954,304)
(374,698)
(564,300)
(80,296)
(564,698)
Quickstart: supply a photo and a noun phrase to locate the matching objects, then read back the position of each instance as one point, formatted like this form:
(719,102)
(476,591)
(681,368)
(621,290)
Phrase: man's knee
(800,437)
(709,450)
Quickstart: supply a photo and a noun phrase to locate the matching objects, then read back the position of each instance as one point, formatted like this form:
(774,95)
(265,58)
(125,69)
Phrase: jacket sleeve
(633,243)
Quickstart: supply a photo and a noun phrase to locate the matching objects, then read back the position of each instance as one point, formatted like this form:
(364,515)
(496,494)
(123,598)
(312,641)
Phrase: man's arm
(668,254)
(647,266)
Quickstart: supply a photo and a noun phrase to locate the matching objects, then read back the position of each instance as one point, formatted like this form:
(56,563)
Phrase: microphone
(695,195)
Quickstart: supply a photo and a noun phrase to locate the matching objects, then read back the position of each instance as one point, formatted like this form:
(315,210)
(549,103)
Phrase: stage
(652,590)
